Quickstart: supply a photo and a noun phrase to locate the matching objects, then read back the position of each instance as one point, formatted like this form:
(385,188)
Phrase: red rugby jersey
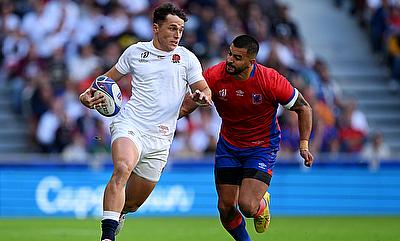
(248,108)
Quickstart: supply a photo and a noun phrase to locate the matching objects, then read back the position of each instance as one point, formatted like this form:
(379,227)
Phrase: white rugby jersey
(160,81)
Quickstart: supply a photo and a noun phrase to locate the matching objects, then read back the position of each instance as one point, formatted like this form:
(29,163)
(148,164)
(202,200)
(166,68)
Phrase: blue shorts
(232,164)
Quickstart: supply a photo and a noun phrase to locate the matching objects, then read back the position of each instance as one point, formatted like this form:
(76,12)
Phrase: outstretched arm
(188,106)
(200,96)
(304,113)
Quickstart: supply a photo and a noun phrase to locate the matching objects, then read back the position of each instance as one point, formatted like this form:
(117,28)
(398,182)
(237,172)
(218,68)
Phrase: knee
(123,163)
(122,171)
(248,207)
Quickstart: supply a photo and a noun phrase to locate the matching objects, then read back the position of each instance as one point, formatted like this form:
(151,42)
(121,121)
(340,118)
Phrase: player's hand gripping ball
(112,93)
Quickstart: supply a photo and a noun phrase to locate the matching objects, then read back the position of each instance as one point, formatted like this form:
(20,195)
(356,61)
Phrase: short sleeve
(123,64)
(194,69)
(285,94)
(292,99)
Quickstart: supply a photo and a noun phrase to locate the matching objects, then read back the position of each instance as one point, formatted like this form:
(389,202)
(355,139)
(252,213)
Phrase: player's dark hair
(161,12)
(247,42)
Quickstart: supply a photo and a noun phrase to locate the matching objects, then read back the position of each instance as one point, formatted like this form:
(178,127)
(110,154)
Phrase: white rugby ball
(112,93)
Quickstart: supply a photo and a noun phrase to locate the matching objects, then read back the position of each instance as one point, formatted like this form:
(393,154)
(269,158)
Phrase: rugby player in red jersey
(247,95)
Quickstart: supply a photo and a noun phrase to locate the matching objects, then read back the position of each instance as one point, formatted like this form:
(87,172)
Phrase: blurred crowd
(381,20)
(53,49)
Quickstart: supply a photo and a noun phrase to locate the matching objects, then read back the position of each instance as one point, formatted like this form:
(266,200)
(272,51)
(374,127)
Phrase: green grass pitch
(205,229)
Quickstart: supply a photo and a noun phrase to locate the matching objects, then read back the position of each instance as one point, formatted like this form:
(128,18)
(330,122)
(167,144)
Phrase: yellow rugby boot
(261,223)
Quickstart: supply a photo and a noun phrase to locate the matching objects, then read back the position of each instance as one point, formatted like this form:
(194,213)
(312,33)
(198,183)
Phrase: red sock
(234,223)
(237,228)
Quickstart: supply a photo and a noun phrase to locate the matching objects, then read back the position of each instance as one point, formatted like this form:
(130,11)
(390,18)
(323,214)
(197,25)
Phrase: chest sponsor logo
(144,56)
(239,93)
(257,99)
(176,58)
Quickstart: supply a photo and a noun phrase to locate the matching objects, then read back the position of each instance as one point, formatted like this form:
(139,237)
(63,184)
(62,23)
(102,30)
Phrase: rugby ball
(112,93)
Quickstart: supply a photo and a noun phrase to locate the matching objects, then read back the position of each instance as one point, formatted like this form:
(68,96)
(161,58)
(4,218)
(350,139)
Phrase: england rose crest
(176,58)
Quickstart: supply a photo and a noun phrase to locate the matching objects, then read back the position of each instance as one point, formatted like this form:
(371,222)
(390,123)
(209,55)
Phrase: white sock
(111,215)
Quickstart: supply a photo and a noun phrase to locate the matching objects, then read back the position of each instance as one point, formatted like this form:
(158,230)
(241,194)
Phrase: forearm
(187,107)
(201,92)
(206,90)
(114,74)
(305,125)
(304,113)
(305,122)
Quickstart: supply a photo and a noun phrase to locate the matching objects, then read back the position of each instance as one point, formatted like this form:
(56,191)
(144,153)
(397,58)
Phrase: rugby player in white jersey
(142,132)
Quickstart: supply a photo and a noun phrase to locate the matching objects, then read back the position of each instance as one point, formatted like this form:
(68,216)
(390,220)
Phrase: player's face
(168,33)
(237,60)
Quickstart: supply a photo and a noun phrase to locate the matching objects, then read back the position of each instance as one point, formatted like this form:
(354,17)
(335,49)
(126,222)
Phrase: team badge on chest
(257,99)
(176,58)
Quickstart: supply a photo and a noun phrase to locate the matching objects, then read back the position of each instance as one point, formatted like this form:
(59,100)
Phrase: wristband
(303,145)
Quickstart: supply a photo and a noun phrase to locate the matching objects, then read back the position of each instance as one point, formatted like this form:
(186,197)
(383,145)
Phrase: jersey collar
(253,71)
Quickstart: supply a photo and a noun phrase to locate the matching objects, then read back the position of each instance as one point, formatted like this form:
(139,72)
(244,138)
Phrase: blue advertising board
(64,191)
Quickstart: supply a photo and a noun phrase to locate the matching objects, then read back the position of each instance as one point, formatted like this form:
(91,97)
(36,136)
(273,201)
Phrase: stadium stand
(376,74)
(13,132)
(37,62)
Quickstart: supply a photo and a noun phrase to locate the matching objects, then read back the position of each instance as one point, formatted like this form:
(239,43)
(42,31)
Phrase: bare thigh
(125,155)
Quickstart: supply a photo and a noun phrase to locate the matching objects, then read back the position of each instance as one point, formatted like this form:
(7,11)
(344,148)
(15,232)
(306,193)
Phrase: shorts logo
(262,166)
(257,99)
(131,133)
(163,129)
(176,58)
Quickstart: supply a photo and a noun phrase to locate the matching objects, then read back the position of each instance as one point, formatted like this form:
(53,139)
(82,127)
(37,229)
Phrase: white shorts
(153,151)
